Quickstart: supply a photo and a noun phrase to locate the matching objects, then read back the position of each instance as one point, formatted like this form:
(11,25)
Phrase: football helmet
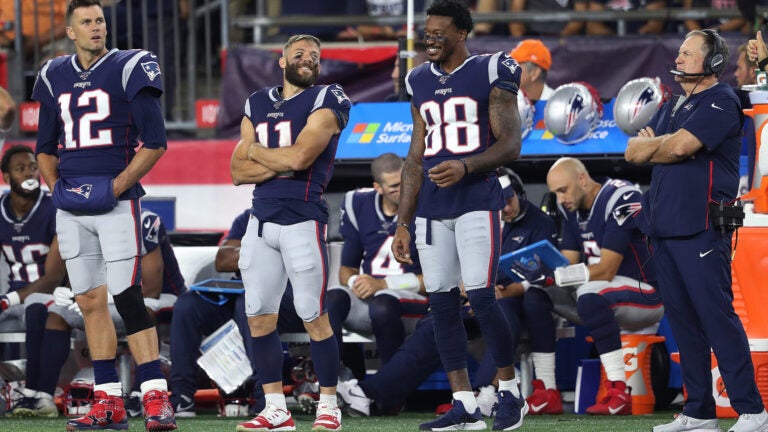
(573,112)
(637,101)
(79,393)
(526,110)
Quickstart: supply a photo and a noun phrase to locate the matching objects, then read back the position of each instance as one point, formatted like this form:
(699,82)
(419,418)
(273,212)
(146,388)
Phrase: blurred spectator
(535,59)
(8,112)
(377,8)
(42,23)
(304,7)
(600,28)
(542,28)
(721,25)
(399,94)
(159,42)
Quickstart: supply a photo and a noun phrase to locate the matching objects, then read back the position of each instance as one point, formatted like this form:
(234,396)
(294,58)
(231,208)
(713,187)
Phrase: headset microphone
(686,74)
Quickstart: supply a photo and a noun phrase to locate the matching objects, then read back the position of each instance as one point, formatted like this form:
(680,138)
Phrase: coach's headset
(714,62)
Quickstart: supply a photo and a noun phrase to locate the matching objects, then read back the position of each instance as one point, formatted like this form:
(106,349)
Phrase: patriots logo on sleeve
(152,69)
(624,211)
(511,64)
(84,190)
(340,96)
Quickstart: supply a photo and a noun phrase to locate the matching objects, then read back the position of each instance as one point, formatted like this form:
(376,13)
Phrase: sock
(34,318)
(28,392)
(328,399)
(267,357)
(276,399)
(55,352)
(510,386)
(104,372)
(544,368)
(613,362)
(149,371)
(325,358)
(43,395)
(468,399)
(153,384)
(111,389)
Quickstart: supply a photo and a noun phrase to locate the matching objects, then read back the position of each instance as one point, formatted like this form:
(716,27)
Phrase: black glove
(534,271)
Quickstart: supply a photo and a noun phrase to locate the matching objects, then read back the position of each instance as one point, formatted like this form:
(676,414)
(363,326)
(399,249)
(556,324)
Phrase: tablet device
(546,252)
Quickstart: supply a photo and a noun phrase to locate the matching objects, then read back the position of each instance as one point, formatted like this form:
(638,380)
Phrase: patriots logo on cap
(152,69)
(84,190)
(625,211)
(644,99)
(340,96)
(576,105)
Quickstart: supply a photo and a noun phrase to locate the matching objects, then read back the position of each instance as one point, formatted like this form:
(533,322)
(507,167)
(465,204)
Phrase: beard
(293,76)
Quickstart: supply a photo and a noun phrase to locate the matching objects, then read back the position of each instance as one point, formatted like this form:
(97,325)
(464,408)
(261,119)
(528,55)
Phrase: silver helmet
(572,112)
(637,102)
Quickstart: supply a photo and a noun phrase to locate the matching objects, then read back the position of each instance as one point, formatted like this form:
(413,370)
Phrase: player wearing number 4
(611,276)
(380,295)
(465,125)
(288,139)
(96,104)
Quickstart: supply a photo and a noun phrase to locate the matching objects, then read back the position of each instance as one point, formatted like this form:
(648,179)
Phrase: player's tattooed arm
(505,124)
(242,169)
(410,184)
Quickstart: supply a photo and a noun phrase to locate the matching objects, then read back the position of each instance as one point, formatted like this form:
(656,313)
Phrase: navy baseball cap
(507,189)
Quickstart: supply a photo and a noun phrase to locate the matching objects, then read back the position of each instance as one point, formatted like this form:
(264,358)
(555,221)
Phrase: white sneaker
(328,418)
(486,399)
(46,408)
(354,398)
(271,418)
(684,423)
(751,423)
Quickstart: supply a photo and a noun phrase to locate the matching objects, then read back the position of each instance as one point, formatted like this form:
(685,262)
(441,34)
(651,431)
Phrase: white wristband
(351,281)
(576,274)
(525,284)
(405,281)
(13,298)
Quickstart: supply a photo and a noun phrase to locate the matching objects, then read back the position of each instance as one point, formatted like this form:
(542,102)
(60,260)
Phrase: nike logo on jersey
(703,254)
(716,107)
(537,408)
(613,411)
(148,223)
(626,196)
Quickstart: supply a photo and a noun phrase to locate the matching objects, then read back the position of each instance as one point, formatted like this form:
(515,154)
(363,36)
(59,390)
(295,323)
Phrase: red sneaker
(544,400)
(328,418)
(271,419)
(107,412)
(158,412)
(617,400)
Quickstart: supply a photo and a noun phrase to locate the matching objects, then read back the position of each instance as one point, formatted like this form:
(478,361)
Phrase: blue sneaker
(509,411)
(457,418)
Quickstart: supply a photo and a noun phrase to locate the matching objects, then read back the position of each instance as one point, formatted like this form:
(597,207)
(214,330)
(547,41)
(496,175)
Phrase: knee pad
(130,306)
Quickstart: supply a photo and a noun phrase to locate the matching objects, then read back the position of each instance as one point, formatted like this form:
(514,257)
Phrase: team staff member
(693,143)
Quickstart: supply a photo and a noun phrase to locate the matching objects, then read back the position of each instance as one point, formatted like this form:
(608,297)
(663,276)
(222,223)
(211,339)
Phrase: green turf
(408,421)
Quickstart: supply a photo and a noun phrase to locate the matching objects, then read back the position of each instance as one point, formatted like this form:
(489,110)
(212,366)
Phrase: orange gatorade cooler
(637,367)
(759,348)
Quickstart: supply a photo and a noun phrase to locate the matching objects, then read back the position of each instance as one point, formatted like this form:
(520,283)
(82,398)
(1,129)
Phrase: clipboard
(218,291)
(547,253)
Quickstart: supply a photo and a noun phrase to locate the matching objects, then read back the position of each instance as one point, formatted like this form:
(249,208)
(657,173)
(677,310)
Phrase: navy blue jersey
(27,240)
(97,134)
(455,109)
(239,225)
(368,235)
(297,196)
(676,204)
(610,224)
(532,226)
(153,235)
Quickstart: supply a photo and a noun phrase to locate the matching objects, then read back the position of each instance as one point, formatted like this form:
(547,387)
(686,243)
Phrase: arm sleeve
(47,131)
(148,115)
